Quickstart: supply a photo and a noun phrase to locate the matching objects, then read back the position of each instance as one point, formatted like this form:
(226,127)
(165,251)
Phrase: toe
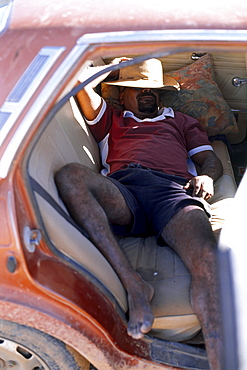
(135,331)
(146,326)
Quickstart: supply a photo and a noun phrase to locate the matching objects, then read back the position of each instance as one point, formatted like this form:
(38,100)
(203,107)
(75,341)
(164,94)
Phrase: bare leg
(189,234)
(93,201)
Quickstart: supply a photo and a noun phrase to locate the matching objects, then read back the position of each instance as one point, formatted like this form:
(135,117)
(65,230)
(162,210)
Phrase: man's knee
(69,173)
(189,230)
(69,178)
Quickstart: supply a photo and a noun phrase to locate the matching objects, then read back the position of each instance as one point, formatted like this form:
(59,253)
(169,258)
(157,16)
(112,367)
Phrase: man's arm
(90,102)
(211,170)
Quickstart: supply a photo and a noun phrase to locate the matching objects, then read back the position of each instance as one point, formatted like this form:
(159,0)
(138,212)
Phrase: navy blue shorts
(153,198)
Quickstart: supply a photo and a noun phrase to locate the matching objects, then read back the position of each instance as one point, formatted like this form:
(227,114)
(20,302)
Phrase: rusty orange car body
(39,289)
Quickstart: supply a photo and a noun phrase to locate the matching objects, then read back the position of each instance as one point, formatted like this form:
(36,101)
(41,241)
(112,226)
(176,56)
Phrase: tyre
(25,348)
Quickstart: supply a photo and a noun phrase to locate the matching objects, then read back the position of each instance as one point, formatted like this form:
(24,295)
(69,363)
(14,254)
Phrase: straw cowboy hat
(148,74)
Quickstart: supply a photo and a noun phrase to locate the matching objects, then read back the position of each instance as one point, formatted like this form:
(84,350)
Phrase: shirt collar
(162,114)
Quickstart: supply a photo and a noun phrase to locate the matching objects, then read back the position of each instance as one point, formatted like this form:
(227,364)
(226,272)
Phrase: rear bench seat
(65,141)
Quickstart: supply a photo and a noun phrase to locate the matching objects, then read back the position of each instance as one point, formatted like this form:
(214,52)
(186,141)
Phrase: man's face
(144,103)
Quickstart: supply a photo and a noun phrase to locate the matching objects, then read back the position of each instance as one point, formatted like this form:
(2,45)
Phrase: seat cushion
(165,271)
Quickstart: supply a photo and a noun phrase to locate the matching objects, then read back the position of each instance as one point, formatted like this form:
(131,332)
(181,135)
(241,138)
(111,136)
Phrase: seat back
(67,140)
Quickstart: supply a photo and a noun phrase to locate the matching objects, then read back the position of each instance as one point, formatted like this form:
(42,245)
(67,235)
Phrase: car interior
(208,93)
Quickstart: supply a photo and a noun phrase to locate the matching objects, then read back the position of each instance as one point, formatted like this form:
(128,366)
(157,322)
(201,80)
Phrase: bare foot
(140,314)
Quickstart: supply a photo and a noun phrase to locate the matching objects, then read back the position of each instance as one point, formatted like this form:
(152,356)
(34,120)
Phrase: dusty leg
(189,234)
(93,201)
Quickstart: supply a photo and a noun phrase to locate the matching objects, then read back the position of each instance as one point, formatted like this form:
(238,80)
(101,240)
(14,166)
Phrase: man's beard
(149,105)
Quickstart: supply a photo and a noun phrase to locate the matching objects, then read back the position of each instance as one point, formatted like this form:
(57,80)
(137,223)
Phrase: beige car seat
(66,140)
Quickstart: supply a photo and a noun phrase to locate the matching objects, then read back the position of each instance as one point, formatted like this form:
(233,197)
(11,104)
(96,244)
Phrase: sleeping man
(145,189)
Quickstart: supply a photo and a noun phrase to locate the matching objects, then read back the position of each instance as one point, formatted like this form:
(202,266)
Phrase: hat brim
(169,83)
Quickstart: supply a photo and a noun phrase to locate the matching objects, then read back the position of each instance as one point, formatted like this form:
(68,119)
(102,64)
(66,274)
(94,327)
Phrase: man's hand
(210,170)
(203,186)
(115,74)
(90,71)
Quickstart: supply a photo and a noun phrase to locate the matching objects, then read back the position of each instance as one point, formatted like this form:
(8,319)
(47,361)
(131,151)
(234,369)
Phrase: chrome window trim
(164,35)
(5,13)
(42,99)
